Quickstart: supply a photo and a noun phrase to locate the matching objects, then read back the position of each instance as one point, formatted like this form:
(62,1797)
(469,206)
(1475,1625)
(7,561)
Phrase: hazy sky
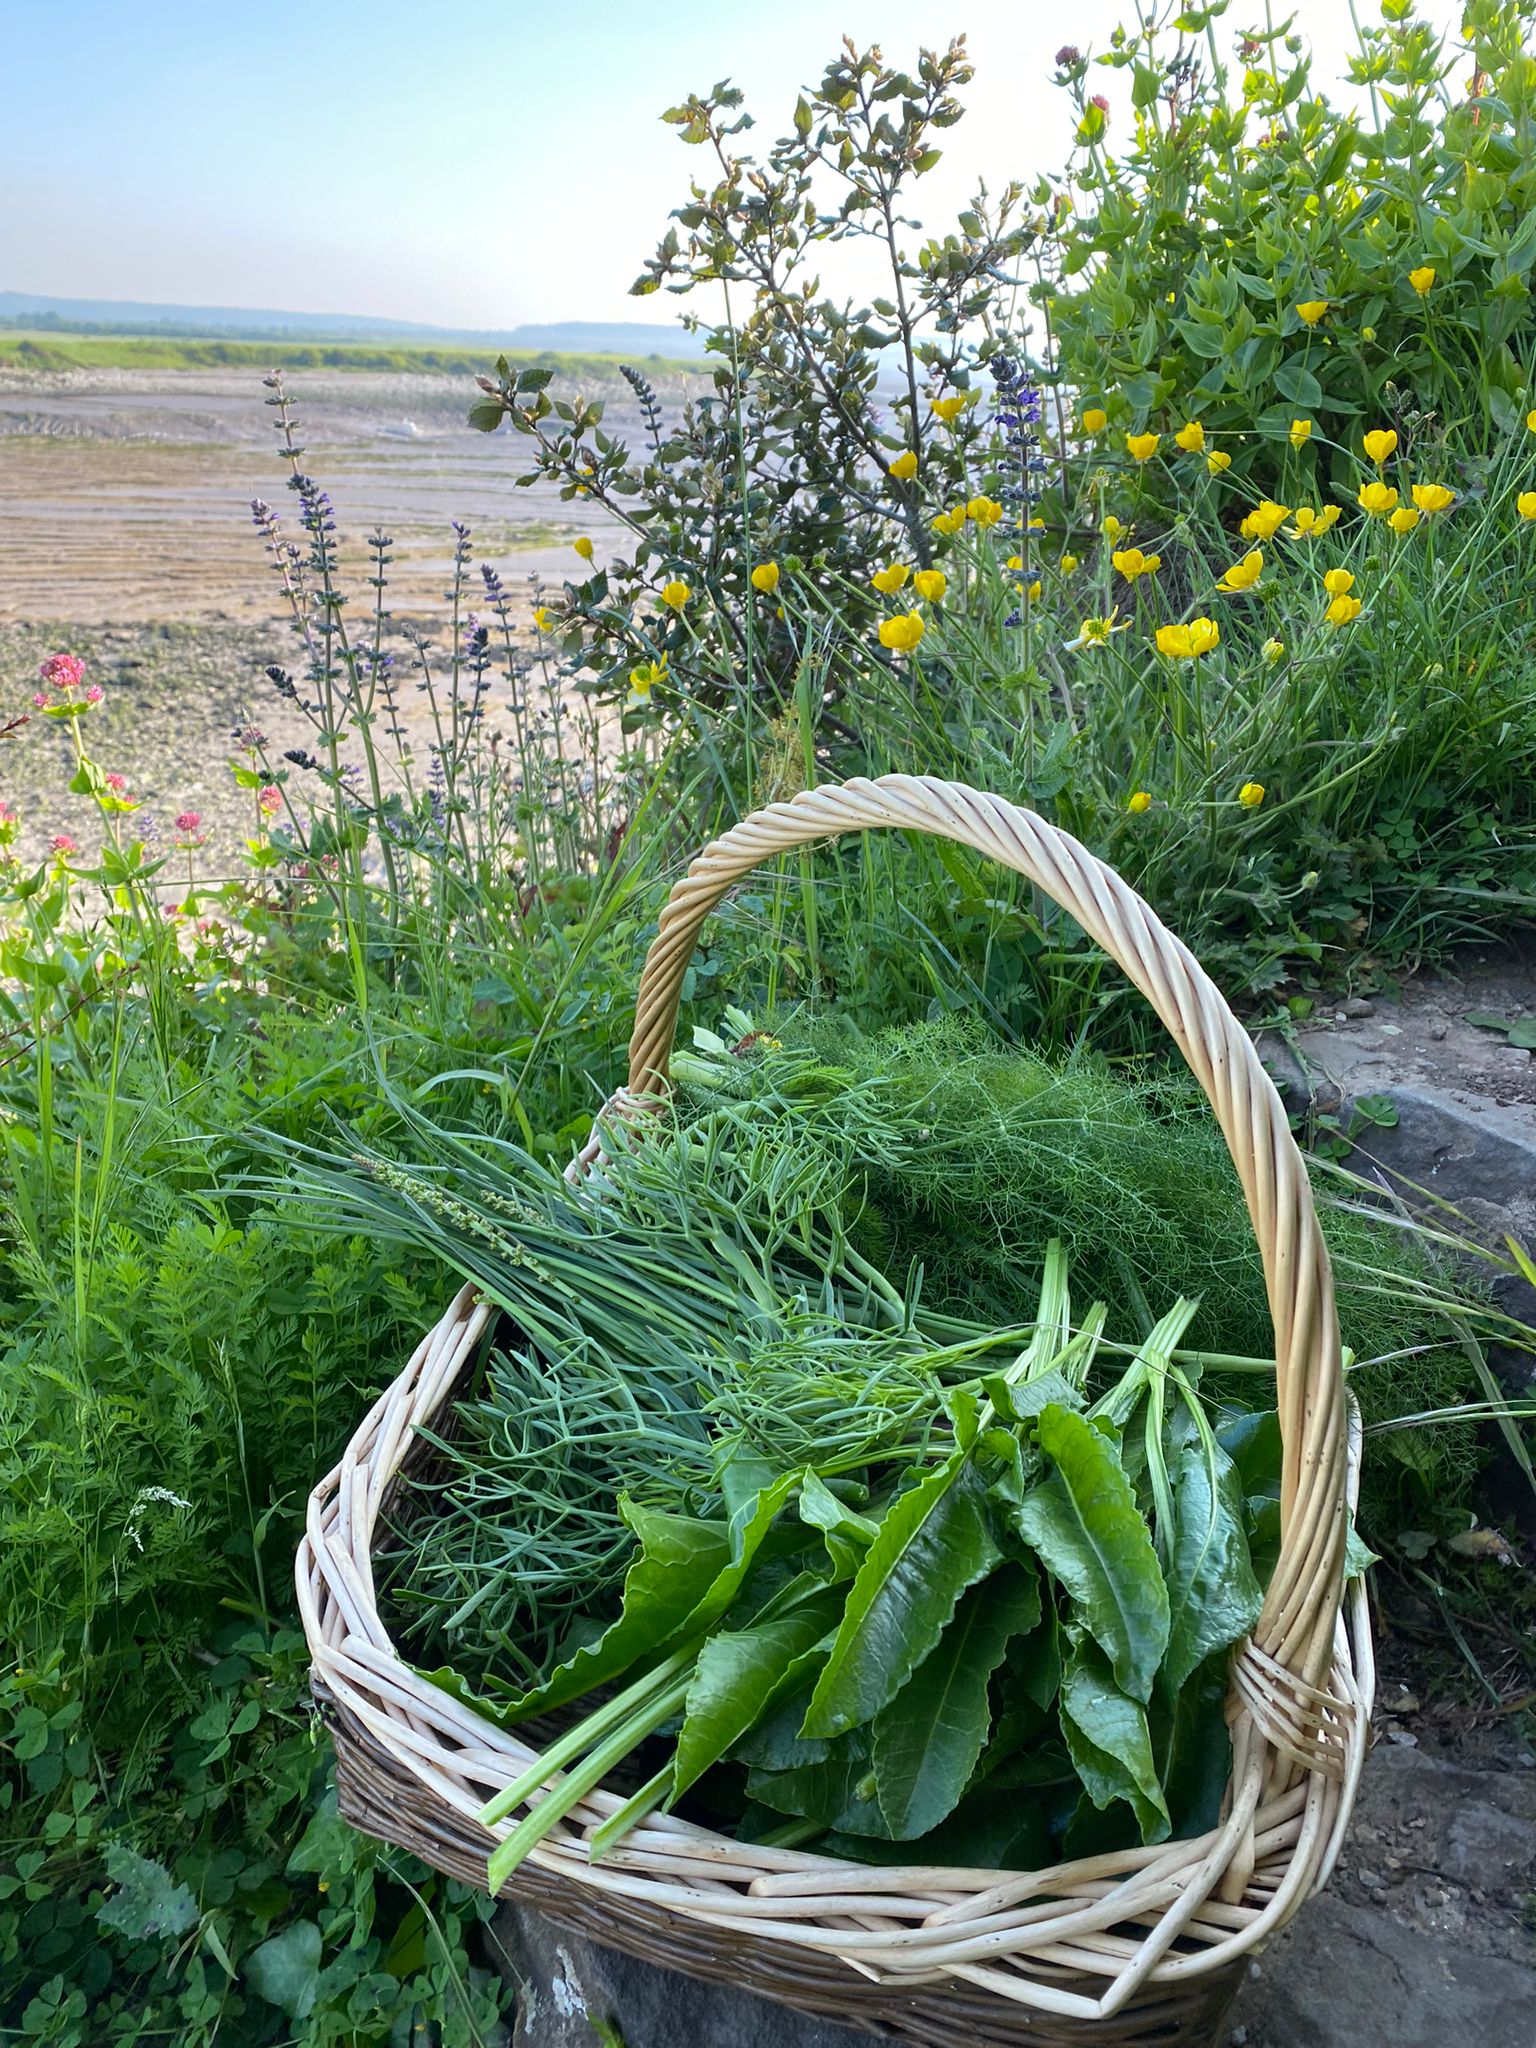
(472,165)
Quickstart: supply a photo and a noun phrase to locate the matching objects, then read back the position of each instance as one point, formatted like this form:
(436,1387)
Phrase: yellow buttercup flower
(1251,795)
(902,633)
(1113,529)
(1380,444)
(1139,800)
(949,409)
(1142,446)
(1433,497)
(765,577)
(1014,562)
(1191,437)
(1033,591)
(1301,433)
(904,465)
(889,581)
(1217,461)
(930,585)
(1095,420)
(1131,563)
(1095,632)
(950,521)
(1036,526)
(1265,520)
(1404,519)
(1530,421)
(545,619)
(1309,525)
(1244,574)
(1525,504)
(1379,499)
(1187,643)
(1422,278)
(1337,581)
(583,547)
(1272,651)
(643,679)
(676,593)
(1343,610)
(1068,564)
(1367,334)
(1312,310)
(985,511)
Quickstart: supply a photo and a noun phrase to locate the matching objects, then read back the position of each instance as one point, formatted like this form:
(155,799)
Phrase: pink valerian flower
(189,821)
(7,813)
(62,845)
(116,783)
(269,799)
(95,694)
(62,672)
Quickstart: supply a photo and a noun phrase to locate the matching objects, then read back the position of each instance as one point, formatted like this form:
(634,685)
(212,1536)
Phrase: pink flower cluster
(63,674)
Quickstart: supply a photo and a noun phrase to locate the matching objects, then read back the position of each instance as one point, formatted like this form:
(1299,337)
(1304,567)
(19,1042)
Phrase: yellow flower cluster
(1244,574)
(1265,520)
(1188,643)
(902,633)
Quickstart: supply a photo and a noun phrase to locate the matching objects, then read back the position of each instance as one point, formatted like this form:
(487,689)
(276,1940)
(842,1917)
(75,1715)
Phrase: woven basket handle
(1296,1628)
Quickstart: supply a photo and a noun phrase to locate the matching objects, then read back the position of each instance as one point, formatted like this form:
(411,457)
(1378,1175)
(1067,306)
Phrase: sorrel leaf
(1109,1742)
(1088,1530)
(1213,1595)
(927,1741)
(737,1679)
(934,1542)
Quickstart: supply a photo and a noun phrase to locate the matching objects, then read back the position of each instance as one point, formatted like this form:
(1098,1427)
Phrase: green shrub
(1238,248)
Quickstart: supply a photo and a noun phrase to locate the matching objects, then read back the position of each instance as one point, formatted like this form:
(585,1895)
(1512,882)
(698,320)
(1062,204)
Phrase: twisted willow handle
(1295,1632)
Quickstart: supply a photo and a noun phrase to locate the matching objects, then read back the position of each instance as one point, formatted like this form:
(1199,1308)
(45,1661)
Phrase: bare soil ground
(125,495)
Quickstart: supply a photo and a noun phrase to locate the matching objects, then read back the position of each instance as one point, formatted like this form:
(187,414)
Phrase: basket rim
(1302,1684)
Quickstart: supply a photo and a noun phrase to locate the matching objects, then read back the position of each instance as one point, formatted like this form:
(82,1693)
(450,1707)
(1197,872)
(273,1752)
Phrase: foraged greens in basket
(795,1465)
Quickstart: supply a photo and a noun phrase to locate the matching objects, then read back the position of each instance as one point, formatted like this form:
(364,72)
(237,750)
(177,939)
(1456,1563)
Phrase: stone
(1345,1976)
(569,1989)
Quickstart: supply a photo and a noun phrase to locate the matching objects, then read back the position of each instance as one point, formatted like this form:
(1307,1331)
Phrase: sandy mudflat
(125,495)
(126,538)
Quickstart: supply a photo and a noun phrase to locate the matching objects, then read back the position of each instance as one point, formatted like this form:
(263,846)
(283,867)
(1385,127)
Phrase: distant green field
(171,352)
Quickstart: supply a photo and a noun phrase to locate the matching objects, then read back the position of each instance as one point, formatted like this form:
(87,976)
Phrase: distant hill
(42,314)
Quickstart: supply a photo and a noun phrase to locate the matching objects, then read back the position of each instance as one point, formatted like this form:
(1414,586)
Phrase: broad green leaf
(934,1542)
(837,1791)
(1086,1526)
(737,1678)
(148,1902)
(1293,380)
(1109,1742)
(1213,1596)
(928,1739)
(285,1971)
(847,1535)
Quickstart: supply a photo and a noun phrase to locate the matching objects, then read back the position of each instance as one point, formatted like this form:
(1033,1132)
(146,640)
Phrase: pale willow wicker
(1141,1946)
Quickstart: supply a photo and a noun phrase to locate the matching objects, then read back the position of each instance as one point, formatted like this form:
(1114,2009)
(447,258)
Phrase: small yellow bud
(1272,651)
(1337,581)
(765,577)
(1217,461)
(1311,311)
(1251,795)
(676,593)
(1139,800)
(1095,420)
(1301,433)
(1422,278)
(583,547)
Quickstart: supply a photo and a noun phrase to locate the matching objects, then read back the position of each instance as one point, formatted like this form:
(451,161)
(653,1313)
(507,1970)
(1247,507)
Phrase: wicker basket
(1142,1946)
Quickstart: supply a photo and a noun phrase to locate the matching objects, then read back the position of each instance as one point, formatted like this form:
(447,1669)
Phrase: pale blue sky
(474,164)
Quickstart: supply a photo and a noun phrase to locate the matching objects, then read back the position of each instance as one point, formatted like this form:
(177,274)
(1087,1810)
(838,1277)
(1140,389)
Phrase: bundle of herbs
(795,1459)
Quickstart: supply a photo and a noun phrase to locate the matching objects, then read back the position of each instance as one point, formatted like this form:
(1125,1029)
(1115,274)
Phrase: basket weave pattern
(1140,1946)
